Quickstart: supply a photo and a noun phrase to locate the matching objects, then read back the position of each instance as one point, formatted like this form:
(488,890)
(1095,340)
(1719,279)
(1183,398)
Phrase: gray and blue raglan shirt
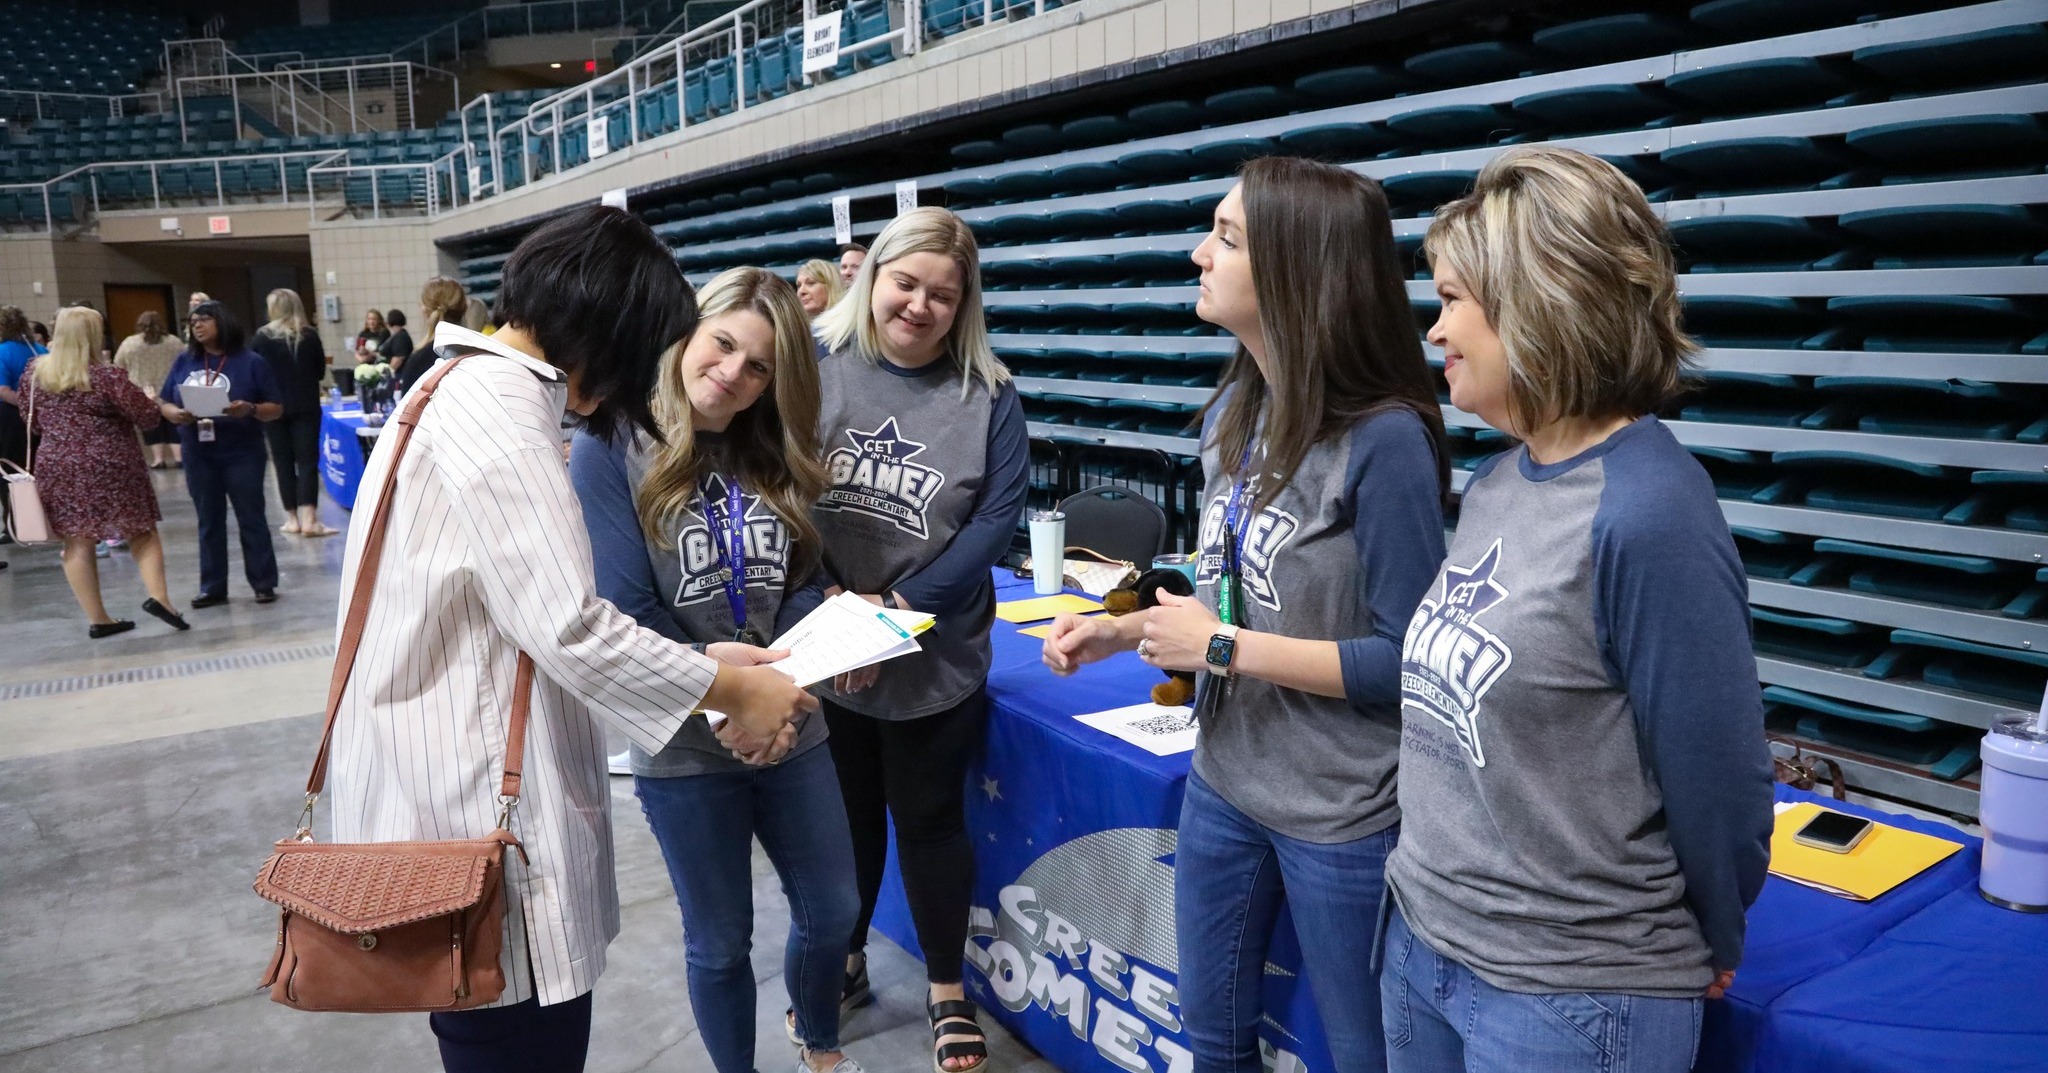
(679,591)
(1342,553)
(1585,788)
(927,489)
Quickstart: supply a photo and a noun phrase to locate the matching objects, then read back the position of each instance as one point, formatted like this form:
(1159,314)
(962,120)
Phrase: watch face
(1220,651)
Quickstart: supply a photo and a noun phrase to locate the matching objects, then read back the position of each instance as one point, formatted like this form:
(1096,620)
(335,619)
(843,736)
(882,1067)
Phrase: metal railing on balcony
(192,182)
(514,20)
(325,99)
(41,104)
(394,191)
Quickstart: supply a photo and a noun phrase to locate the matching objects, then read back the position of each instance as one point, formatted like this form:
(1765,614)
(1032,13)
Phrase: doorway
(127,301)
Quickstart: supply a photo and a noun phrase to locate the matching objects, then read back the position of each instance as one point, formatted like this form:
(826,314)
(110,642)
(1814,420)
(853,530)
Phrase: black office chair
(1112,521)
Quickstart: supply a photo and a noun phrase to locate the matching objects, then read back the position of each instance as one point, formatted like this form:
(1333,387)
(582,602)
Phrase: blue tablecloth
(1075,834)
(341,455)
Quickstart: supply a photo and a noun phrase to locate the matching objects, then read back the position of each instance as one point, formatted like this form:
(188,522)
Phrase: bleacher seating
(1861,213)
(62,46)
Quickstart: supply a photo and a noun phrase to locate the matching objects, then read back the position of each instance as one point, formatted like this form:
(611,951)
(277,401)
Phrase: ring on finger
(1145,649)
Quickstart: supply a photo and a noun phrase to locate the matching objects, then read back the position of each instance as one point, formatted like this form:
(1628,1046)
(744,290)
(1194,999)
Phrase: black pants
(525,1037)
(216,481)
(915,771)
(13,445)
(295,452)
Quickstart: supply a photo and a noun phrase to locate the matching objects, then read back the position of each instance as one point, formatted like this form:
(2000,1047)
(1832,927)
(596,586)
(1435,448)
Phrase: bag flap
(354,889)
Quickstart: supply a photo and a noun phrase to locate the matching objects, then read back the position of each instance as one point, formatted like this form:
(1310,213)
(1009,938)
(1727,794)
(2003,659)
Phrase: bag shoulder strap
(400,436)
(28,423)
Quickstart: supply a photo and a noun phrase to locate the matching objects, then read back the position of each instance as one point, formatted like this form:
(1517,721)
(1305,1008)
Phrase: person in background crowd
(441,299)
(40,332)
(739,470)
(192,302)
(224,456)
(1555,907)
(851,257)
(371,337)
(89,468)
(298,362)
(146,357)
(397,346)
(488,560)
(910,387)
(1325,471)
(476,316)
(17,349)
(818,286)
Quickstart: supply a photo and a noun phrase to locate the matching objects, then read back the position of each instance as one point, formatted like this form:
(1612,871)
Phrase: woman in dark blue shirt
(224,455)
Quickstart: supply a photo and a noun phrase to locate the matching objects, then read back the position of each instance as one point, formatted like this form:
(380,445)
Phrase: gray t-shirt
(1584,779)
(927,489)
(1341,554)
(679,591)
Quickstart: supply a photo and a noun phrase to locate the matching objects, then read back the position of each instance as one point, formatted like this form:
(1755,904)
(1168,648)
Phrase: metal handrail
(295,82)
(112,100)
(48,188)
(483,17)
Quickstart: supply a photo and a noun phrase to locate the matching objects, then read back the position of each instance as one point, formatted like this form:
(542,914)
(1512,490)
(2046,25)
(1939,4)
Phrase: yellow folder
(1042,630)
(1045,607)
(1887,857)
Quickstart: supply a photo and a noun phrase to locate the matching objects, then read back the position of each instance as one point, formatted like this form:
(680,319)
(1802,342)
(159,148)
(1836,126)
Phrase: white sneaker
(846,1065)
(620,763)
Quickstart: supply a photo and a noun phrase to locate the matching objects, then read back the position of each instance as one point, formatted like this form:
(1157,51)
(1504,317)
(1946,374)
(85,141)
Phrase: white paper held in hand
(845,633)
(204,400)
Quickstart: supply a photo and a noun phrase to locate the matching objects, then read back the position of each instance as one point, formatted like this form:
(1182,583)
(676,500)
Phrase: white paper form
(844,634)
(204,400)
(1155,728)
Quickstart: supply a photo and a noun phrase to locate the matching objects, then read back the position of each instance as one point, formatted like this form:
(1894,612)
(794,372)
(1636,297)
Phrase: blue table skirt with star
(1071,939)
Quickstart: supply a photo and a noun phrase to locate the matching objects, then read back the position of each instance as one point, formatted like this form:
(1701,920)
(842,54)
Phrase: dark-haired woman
(1325,465)
(225,455)
(707,538)
(17,349)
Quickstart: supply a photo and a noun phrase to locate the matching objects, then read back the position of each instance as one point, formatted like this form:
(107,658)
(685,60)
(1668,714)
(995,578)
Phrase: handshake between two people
(763,707)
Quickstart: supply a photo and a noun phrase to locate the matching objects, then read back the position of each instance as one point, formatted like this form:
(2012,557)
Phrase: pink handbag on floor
(26,523)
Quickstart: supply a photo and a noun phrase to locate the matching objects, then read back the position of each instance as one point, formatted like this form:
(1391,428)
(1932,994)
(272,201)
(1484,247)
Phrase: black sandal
(945,1018)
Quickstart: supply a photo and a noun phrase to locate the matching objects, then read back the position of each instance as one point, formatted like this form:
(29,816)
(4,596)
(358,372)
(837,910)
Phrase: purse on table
(391,927)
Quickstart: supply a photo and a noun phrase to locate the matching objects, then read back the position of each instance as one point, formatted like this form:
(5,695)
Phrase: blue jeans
(216,480)
(1442,1018)
(1229,877)
(706,825)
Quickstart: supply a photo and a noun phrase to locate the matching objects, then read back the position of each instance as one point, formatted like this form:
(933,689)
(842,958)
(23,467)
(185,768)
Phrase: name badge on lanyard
(731,541)
(206,430)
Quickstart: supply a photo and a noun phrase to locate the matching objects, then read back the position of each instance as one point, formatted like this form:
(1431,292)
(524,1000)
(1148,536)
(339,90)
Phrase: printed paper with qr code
(1155,728)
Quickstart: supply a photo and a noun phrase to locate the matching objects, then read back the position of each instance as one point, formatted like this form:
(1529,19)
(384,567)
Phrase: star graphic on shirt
(885,440)
(1473,590)
(989,787)
(710,502)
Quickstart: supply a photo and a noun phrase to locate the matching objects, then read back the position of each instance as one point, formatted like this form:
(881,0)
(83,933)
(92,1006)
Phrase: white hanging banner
(614,198)
(842,220)
(600,136)
(821,42)
(906,196)
(476,180)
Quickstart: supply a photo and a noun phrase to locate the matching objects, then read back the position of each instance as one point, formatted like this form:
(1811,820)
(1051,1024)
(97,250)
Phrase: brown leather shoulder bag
(391,927)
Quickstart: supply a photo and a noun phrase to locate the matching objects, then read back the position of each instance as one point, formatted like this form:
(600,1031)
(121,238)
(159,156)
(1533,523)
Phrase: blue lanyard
(1234,532)
(729,538)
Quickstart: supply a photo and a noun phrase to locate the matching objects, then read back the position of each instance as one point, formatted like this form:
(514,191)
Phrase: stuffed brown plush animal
(1179,687)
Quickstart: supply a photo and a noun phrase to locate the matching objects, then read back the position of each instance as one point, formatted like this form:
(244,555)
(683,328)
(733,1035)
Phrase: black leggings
(295,452)
(916,771)
(525,1037)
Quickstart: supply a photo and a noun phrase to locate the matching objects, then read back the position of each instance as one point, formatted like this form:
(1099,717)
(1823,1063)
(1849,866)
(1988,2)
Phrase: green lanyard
(1229,585)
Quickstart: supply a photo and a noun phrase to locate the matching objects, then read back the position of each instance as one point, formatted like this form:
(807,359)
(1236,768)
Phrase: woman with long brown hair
(147,356)
(1323,451)
(706,537)
(17,349)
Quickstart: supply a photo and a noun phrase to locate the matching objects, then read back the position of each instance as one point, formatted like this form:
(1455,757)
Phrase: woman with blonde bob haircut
(928,459)
(818,286)
(1585,789)
(706,537)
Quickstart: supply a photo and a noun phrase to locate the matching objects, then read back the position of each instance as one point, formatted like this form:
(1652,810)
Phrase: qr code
(1161,726)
